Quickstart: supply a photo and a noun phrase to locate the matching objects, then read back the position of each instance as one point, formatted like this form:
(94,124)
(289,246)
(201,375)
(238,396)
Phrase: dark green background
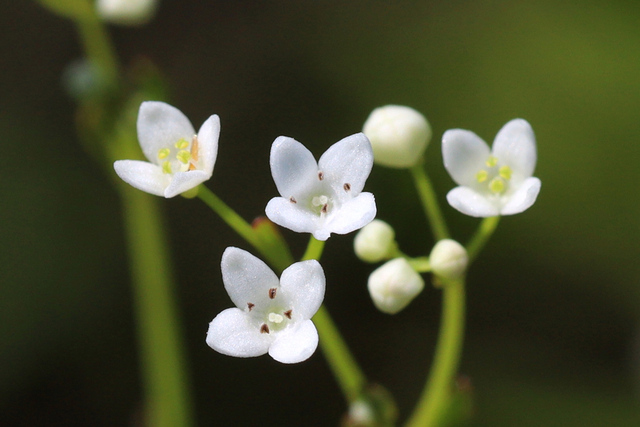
(553,325)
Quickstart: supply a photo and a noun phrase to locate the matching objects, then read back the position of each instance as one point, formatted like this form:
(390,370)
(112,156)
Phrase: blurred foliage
(553,334)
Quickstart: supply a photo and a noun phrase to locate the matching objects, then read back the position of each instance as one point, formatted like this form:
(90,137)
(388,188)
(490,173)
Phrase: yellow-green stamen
(497,185)
(482,176)
(166,167)
(163,153)
(491,161)
(183,156)
(505,172)
(182,144)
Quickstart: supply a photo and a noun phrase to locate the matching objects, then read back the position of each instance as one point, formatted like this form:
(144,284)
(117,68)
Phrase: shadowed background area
(552,335)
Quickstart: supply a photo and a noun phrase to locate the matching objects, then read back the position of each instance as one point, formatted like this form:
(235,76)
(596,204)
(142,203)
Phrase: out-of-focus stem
(429,202)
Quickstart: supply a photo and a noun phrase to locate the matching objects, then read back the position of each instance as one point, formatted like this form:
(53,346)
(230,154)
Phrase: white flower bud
(394,285)
(448,259)
(399,135)
(126,12)
(375,241)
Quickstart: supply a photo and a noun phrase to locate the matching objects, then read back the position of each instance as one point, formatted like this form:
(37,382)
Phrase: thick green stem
(345,368)
(436,395)
(429,202)
(481,237)
(161,346)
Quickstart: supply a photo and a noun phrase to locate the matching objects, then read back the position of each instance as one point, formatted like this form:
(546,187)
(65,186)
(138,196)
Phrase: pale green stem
(436,395)
(481,237)
(345,368)
(167,402)
(243,228)
(420,264)
(98,46)
(429,202)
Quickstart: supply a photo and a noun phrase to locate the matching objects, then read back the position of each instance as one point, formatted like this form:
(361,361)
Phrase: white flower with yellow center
(179,159)
(324,197)
(492,182)
(271,316)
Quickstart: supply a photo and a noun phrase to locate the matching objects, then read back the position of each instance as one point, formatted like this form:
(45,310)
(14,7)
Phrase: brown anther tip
(324,208)
(293,199)
(264,329)
(346,186)
(191,167)
(288,314)
(272,293)
(320,176)
(250,305)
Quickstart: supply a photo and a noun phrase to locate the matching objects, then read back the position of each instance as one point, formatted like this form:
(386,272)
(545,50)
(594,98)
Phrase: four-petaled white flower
(324,197)
(179,159)
(492,182)
(272,315)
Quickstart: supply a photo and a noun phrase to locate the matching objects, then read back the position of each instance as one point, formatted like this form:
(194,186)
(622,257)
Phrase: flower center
(179,158)
(320,204)
(495,177)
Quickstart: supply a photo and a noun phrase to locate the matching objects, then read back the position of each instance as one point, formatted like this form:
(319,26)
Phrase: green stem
(314,249)
(98,46)
(161,346)
(344,366)
(280,258)
(429,202)
(481,237)
(437,392)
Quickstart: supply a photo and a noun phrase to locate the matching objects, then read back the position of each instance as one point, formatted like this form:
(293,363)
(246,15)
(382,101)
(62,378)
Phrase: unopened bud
(375,241)
(126,12)
(448,259)
(394,285)
(398,135)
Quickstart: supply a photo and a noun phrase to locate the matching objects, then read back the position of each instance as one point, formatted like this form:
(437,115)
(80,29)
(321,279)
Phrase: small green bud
(399,135)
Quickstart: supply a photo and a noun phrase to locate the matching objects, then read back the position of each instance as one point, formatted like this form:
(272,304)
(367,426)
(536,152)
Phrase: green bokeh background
(553,322)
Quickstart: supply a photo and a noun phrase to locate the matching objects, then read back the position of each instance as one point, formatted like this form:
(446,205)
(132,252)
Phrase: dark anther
(320,176)
(293,199)
(264,329)
(272,293)
(346,186)
(250,305)
(324,208)
(288,314)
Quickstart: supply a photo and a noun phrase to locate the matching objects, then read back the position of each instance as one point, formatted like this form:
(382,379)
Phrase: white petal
(246,278)
(293,167)
(208,143)
(295,344)
(183,181)
(232,333)
(464,154)
(303,284)
(142,175)
(159,126)
(353,215)
(347,161)
(515,146)
(523,198)
(289,215)
(472,203)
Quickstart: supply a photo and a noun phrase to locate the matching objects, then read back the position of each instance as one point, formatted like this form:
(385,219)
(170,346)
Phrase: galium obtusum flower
(179,159)
(492,182)
(271,315)
(126,12)
(324,197)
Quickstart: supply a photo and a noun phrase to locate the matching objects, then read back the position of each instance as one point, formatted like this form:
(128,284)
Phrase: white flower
(375,242)
(394,285)
(179,159)
(448,259)
(492,182)
(325,197)
(272,315)
(127,12)
(398,134)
